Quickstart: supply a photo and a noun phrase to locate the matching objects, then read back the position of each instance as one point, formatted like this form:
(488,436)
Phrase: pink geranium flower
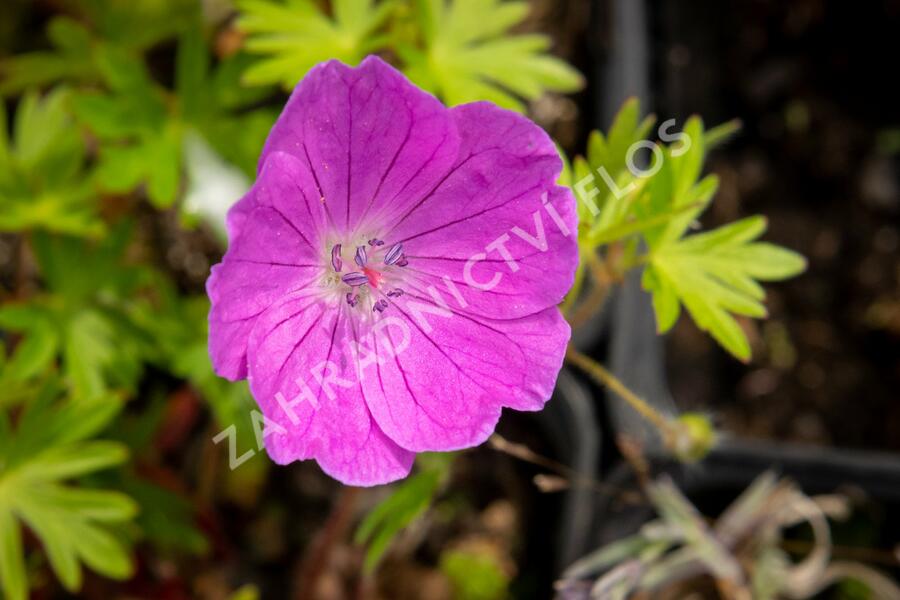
(393,275)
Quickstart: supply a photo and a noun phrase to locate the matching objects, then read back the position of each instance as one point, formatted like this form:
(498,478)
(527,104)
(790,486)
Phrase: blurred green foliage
(296,36)
(50,445)
(461,50)
(44,182)
(474,575)
(467,54)
(77,158)
(408,502)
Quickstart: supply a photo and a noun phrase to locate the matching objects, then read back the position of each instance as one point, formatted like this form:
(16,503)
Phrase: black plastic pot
(569,422)
(556,526)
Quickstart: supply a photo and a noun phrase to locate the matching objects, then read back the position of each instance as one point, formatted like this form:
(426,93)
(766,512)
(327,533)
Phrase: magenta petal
(371,200)
(272,258)
(445,391)
(500,197)
(292,191)
(374,141)
(227,340)
(291,343)
(237,214)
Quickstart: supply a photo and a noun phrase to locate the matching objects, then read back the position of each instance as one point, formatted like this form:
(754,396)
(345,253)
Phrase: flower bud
(693,438)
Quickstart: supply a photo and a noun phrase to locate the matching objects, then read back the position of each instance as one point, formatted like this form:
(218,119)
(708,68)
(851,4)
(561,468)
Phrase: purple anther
(336,261)
(394,254)
(402,262)
(380,305)
(361,256)
(395,293)
(352,299)
(355,279)
(376,242)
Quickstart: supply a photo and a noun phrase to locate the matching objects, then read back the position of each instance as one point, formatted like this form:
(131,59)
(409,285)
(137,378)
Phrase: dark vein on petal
(297,345)
(303,286)
(272,264)
(477,323)
(337,320)
(300,189)
(437,346)
(323,200)
(380,380)
(387,171)
(349,151)
(415,399)
(467,218)
(418,172)
(478,319)
(292,226)
(424,281)
(437,186)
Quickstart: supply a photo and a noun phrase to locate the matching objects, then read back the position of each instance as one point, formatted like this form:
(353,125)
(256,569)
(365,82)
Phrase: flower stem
(604,377)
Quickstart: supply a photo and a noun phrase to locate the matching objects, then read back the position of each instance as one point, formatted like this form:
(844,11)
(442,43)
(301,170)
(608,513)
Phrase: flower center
(365,281)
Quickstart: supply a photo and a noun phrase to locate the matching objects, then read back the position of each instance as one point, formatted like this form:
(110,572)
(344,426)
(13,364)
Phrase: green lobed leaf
(98,505)
(12,564)
(720,134)
(713,274)
(44,183)
(191,73)
(409,500)
(92,300)
(71,59)
(294,37)
(4,141)
(166,519)
(59,463)
(606,188)
(72,523)
(50,527)
(138,25)
(468,54)
(35,352)
(101,551)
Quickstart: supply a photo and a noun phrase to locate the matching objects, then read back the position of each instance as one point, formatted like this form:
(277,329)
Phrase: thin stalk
(570,475)
(319,553)
(604,377)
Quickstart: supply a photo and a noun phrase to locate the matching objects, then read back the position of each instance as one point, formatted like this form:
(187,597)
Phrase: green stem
(604,377)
